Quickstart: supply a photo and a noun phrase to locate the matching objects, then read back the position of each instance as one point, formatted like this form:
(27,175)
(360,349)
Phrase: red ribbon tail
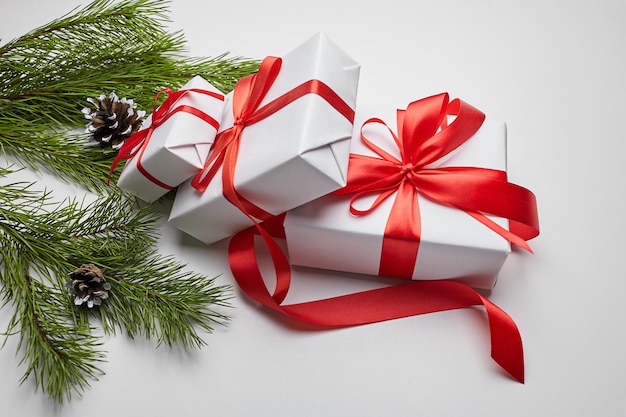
(506,342)
(403,300)
(508,235)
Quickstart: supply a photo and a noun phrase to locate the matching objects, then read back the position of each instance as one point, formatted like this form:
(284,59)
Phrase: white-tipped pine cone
(112,120)
(87,283)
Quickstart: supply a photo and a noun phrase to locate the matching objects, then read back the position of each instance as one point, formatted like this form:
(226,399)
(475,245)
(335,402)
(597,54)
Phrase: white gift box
(293,156)
(453,245)
(177,149)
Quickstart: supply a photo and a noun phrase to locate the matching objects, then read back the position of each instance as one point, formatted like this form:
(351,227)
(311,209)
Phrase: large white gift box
(295,155)
(177,149)
(453,245)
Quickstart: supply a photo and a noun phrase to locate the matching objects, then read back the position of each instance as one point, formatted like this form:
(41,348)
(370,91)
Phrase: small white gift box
(176,149)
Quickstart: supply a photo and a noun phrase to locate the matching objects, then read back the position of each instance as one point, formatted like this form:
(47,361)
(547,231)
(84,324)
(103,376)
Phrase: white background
(553,70)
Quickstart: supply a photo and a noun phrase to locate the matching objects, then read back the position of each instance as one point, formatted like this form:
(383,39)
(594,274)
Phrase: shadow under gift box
(291,157)
(177,149)
(453,245)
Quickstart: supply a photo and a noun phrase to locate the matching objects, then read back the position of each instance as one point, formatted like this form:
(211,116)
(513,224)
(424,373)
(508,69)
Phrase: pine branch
(60,356)
(41,242)
(45,78)
(64,154)
(174,303)
(47,75)
(58,351)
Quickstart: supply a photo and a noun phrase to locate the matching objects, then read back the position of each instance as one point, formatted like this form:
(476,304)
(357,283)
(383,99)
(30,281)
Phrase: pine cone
(89,285)
(113,120)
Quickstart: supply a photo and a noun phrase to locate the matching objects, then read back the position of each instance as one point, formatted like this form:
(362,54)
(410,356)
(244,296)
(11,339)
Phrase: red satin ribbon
(136,144)
(403,300)
(411,298)
(424,137)
(247,97)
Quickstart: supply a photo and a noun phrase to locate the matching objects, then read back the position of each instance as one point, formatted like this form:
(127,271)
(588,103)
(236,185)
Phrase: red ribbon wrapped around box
(174,168)
(424,136)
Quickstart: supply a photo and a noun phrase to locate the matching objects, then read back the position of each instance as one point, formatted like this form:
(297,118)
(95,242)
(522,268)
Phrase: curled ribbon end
(506,343)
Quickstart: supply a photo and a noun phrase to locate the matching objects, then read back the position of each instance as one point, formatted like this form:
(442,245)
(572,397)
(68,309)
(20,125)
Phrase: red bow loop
(159,114)
(427,135)
(369,175)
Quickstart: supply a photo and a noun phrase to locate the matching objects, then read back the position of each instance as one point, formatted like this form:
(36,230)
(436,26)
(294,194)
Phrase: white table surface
(554,71)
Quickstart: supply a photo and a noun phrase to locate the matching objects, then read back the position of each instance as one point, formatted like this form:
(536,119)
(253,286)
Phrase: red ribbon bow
(424,137)
(407,299)
(137,143)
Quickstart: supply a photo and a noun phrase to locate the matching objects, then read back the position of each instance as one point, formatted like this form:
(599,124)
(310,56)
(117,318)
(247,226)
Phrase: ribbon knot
(407,169)
(238,125)
(409,172)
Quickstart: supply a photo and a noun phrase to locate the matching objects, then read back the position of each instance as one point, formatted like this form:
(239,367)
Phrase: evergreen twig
(151,295)
(47,74)
(45,77)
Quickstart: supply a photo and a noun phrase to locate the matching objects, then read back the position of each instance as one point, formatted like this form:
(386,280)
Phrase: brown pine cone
(87,283)
(112,120)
